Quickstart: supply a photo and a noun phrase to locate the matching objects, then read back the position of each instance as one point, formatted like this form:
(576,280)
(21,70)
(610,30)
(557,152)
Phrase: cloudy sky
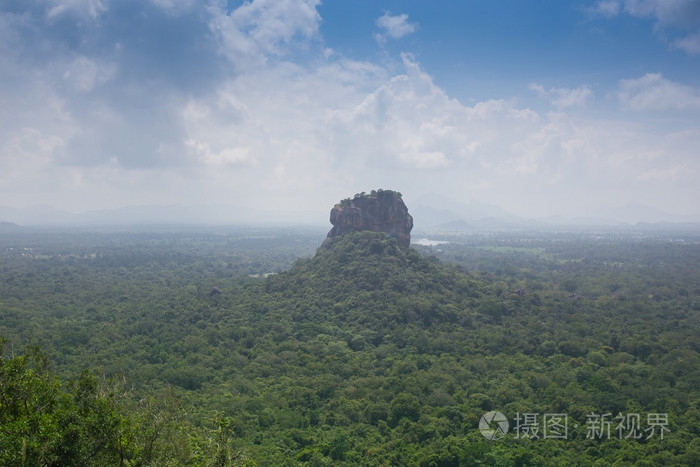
(286,106)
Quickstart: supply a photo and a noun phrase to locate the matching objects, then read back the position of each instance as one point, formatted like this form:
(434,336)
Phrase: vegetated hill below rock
(367,280)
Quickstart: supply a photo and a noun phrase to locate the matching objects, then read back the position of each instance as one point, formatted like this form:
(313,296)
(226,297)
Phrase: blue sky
(282,107)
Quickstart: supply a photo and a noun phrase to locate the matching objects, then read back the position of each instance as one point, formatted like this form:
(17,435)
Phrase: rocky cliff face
(379,211)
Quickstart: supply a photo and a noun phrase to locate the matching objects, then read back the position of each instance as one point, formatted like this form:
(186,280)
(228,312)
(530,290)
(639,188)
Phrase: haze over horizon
(284,107)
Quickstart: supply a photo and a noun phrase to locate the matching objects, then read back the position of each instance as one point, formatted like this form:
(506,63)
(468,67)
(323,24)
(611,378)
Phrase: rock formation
(379,211)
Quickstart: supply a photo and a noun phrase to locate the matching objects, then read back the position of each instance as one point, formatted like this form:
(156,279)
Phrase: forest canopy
(365,353)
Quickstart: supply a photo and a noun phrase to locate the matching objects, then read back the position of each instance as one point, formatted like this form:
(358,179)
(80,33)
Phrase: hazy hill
(7,227)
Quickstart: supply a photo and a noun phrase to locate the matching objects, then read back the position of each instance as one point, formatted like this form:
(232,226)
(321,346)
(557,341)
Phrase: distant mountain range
(153,215)
(436,212)
(430,212)
(6,227)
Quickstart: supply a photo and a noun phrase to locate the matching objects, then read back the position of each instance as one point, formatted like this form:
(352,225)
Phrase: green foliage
(381,194)
(89,423)
(365,353)
(41,425)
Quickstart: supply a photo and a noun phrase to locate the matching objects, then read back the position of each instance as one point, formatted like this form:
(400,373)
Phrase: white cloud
(30,148)
(89,8)
(84,74)
(606,8)
(394,27)
(668,13)
(258,29)
(276,135)
(669,174)
(288,133)
(284,136)
(655,93)
(409,123)
(174,6)
(227,156)
(677,21)
(563,98)
(689,44)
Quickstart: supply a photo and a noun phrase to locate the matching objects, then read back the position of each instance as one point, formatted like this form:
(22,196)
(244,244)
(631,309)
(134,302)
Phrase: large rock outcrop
(378,211)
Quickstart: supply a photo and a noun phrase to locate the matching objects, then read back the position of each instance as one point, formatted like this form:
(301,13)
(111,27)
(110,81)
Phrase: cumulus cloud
(410,123)
(653,92)
(689,44)
(606,8)
(84,74)
(563,98)
(227,156)
(88,8)
(677,21)
(226,115)
(120,87)
(668,13)
(175,6)
(394,27)
(670,174)
(255,30)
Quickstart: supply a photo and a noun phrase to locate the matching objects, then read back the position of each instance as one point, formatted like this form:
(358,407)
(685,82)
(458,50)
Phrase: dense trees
(42,425)
(364,353)
(93,421)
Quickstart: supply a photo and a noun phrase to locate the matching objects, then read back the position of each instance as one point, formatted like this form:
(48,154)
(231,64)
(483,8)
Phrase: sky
(284,107)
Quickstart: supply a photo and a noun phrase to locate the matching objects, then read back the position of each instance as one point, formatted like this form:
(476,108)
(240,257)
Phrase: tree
(42,425)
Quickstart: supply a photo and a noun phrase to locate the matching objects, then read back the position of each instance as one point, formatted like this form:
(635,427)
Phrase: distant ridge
(8,227)
(436,212)
(195,214)
(430,213)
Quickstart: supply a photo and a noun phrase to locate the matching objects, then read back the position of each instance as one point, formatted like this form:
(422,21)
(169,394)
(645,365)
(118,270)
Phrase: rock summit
(378,211)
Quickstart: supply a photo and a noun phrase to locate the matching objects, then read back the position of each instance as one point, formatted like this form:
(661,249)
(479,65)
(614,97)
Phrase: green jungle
(228,346)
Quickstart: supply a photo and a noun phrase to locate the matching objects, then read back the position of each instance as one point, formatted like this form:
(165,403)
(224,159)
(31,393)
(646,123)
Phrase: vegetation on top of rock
(363,195)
